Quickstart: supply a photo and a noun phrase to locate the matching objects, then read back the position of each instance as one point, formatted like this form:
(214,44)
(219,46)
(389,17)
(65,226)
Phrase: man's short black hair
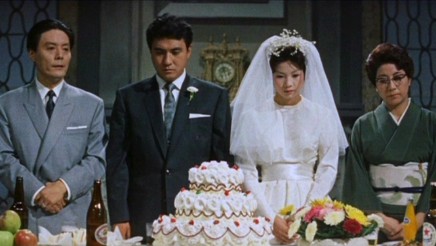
(169,26)
(34,35)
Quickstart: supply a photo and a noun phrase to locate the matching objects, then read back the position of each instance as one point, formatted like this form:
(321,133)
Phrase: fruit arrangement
(11,234)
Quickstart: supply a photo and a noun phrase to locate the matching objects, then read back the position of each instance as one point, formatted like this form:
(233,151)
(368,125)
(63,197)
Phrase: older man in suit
(52,134)
(161,127)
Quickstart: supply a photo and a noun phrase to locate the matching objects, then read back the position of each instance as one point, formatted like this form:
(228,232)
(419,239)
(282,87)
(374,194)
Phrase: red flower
(227,192)
(216,222)
(236,167)
(237,223)
(191,222)
(203,168)
(353,227)
(312,214)
(173,220)
(256,221)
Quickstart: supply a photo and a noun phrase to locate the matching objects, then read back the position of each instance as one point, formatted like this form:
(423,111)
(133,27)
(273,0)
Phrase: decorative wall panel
(412,24)
(16,18)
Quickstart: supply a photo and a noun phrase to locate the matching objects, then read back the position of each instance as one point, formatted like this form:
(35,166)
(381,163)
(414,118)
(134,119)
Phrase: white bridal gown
(297,150)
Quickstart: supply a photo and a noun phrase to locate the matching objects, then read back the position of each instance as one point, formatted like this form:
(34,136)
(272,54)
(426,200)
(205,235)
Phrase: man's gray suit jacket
(70,146)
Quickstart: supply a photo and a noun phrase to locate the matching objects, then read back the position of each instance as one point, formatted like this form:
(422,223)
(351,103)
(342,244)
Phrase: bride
(285,122)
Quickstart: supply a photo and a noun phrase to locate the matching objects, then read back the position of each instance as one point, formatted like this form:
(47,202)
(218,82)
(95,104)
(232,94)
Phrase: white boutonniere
(192,91)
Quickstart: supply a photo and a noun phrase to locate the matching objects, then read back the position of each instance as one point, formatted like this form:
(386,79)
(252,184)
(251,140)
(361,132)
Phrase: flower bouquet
(326,219)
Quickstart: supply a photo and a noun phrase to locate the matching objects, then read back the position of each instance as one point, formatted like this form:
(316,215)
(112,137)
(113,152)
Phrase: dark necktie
(50,103)
(169,108)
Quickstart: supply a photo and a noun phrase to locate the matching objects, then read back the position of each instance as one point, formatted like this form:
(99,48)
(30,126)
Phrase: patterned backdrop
(16,18)
(412,24)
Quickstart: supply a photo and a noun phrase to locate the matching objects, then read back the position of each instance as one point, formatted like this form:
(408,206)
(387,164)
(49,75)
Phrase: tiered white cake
(214,211)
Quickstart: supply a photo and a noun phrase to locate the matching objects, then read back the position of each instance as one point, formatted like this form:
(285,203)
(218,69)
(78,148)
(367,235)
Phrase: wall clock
(224,72)
(225,64)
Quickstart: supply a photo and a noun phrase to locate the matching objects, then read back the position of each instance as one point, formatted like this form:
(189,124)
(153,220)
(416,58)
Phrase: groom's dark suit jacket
(144,170)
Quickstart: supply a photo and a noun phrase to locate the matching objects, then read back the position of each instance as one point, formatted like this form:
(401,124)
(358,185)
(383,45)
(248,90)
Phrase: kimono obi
(287,171)
(395,185)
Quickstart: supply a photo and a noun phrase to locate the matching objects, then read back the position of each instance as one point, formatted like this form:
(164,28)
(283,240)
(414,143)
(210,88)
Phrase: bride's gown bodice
(296,148)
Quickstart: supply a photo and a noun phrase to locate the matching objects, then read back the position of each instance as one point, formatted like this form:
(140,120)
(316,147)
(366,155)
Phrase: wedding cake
(213,211)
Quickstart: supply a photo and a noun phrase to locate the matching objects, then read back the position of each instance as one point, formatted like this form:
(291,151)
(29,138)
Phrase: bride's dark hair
(289,54)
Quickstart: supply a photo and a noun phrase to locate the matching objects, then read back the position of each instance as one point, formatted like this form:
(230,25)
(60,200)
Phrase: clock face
(224,72)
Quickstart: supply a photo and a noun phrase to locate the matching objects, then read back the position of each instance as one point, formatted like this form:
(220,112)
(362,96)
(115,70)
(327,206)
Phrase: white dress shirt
(163,92)
(42,90)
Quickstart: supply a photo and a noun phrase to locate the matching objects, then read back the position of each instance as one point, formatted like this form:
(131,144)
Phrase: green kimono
(376,139)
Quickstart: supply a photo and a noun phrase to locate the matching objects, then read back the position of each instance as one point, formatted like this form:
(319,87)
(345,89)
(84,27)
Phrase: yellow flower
(358,215)
(311,230)
(338,205)
(287,210)
(321,202)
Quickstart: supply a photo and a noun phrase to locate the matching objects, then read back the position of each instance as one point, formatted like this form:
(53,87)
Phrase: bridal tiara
(289,38)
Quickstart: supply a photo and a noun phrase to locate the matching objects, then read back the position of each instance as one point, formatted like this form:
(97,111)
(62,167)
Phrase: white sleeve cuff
(68,189)
(34,195)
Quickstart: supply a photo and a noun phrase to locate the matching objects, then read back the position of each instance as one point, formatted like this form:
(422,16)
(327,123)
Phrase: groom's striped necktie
(169,108)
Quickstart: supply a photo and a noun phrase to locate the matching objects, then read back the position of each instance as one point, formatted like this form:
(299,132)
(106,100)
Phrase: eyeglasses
(385,81)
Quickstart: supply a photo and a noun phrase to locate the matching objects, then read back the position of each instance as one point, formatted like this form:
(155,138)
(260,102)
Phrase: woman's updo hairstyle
(387,53)
(288,54)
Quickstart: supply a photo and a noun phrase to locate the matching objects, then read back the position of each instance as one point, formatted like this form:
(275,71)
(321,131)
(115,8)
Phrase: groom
(160,128)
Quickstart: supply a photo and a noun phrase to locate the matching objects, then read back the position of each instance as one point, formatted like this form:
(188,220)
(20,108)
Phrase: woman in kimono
(392,148)
(285,122)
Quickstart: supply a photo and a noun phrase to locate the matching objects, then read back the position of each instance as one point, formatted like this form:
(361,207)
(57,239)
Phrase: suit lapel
(35,110)
(181,117)
(59,119)
(154,108)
